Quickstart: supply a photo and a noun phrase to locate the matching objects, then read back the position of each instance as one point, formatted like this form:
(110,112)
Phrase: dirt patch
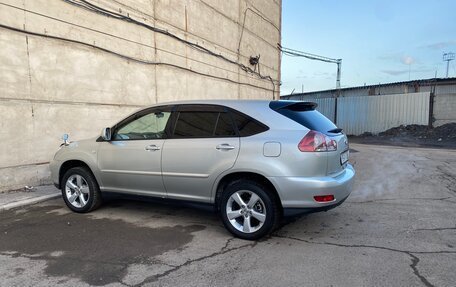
(412,136)
(97,251)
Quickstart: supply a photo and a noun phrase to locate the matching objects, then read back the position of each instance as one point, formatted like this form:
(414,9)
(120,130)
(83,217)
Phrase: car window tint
(247,126)
(224,126)
(195,124)
(312,119)
(149,126)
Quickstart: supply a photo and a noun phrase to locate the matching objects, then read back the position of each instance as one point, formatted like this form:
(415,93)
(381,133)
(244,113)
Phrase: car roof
(253,108)
(226,102)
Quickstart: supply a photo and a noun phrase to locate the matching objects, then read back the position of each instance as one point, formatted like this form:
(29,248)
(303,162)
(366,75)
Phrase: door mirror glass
(106,134)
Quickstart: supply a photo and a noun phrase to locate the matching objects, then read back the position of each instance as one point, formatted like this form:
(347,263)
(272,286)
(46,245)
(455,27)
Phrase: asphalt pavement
(398,228)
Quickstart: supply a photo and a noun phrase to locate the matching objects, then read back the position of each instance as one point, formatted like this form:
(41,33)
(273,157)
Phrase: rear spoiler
(293,106)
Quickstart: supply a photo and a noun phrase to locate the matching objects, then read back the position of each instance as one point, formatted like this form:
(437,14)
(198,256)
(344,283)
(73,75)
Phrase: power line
(296,53)
(128,57)
(127,40)
(96,9)
(154,18)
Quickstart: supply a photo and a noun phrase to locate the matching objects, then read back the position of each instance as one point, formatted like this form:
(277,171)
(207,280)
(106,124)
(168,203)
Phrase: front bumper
(54,166)
(299,192)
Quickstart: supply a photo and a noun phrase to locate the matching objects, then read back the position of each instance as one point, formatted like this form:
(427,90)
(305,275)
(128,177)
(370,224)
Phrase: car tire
(248,209)
(80,190)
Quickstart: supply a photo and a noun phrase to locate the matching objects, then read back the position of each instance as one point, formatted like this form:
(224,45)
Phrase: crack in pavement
(222,251)
(365,246)
(228,243)
(126,265)
(414,258)
(448,177)
(435,229)
(411,198)
(415,261)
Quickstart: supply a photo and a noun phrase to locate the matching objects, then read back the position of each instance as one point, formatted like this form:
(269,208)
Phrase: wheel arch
(70,164)
(239,175)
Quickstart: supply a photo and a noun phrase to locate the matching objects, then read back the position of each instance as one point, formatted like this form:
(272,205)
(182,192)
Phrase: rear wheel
(248,210)
(80,190)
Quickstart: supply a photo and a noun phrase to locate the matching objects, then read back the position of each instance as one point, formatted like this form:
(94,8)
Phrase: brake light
(316,141)
(324,198)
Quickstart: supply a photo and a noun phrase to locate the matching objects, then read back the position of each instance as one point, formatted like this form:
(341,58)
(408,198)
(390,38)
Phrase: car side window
(203,122)
(246,125)
(225,126)
(151,125)
(195,124)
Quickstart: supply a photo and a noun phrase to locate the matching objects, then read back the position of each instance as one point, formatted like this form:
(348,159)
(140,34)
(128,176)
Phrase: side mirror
(65,138)
(106,134)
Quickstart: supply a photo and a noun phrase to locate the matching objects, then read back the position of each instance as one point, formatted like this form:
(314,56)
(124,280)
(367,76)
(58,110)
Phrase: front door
(131,161)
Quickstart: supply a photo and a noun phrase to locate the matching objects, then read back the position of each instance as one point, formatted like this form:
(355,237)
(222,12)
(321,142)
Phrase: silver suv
(255,161)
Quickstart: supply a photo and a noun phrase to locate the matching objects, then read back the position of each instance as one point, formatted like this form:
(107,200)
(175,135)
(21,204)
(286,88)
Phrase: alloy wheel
(246,211)
(77,191)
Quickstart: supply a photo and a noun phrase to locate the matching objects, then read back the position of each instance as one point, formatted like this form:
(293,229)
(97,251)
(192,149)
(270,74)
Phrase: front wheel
(248,210)
(80,190)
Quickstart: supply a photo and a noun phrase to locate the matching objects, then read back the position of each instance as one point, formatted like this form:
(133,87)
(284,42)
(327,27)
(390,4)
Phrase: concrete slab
(27,196)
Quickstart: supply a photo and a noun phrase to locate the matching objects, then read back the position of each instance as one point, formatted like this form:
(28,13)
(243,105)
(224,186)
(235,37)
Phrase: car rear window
(306,115)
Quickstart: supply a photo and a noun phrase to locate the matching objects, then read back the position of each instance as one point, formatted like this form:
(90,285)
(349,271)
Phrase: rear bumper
(299,192)
(296,211)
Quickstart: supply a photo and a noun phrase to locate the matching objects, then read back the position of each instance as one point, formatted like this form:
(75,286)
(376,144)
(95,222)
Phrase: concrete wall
(50,86)
(444,109)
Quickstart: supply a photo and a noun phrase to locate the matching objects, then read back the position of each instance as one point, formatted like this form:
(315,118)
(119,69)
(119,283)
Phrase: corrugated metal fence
(326,107)
(357,115)
(375,114)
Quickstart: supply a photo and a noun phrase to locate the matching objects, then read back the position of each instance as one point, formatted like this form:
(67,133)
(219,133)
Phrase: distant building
(376,108)
(442,86)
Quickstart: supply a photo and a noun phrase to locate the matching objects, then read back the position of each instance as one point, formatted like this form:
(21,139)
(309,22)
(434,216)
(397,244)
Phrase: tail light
(316,141)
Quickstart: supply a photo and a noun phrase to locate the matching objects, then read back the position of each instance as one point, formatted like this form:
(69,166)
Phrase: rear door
(204,143)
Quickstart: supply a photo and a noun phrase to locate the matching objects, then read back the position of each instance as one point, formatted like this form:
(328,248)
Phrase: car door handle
(152,147)
(224,147)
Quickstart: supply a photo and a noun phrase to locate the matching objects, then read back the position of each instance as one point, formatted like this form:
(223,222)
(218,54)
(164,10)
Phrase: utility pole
(296,53)
(447,57)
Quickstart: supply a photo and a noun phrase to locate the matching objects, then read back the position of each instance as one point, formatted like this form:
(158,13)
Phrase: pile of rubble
(445,132)
(413,135)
